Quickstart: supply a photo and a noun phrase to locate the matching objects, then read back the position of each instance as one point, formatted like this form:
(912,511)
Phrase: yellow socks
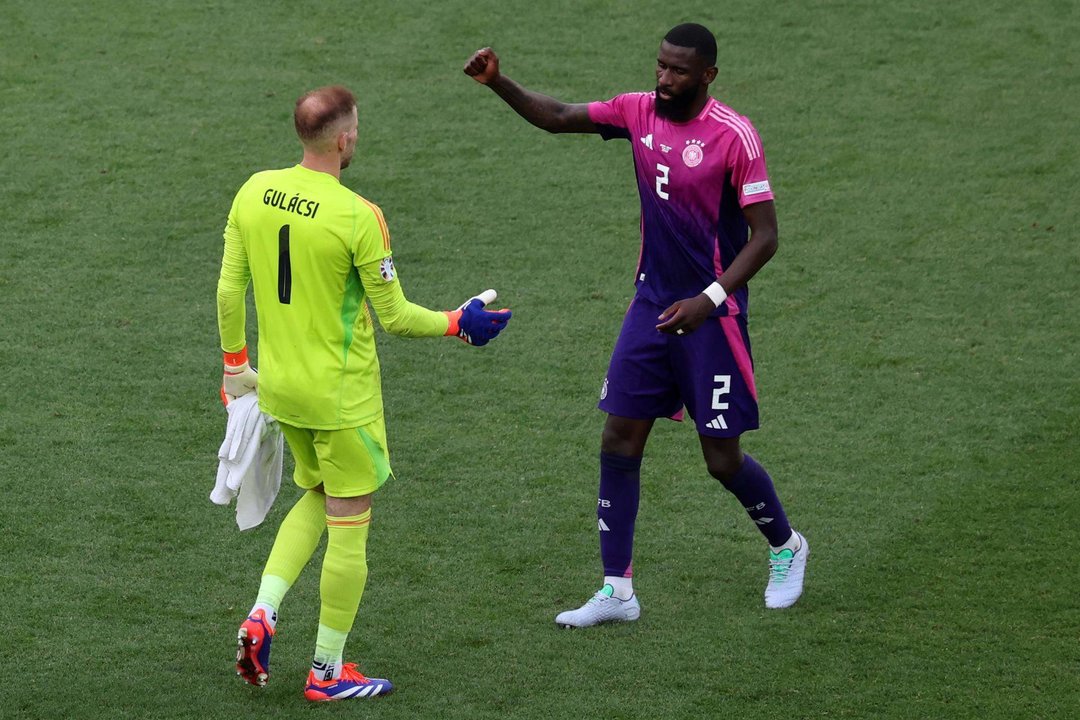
(344,575)
(296,541)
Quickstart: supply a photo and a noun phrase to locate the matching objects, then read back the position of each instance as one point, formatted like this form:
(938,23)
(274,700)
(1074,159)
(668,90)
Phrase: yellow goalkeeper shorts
(348,463)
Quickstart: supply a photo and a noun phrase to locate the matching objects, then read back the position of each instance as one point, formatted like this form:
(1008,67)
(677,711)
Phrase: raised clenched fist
(483,66)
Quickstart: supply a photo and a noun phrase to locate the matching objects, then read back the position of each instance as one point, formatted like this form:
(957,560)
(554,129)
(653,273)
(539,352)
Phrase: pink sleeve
(608,112)
(749,175)
(613,117)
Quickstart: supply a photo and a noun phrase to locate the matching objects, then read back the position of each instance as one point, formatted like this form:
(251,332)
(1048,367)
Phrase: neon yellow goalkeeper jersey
(313,250)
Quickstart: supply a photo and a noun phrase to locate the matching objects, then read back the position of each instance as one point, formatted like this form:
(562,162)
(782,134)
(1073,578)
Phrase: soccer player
(708,224)
(316,254)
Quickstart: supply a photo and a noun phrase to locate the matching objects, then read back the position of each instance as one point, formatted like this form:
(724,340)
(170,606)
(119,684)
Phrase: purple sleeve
(610,118)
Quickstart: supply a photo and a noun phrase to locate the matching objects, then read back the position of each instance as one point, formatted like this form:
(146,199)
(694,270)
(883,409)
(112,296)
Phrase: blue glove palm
(478,326)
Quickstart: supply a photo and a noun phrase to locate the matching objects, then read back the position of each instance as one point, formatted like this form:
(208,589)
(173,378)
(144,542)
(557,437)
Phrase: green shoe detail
(779,565)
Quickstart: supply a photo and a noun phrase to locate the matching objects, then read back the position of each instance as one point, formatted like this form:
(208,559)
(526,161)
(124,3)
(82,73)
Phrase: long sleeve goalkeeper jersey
(315,253)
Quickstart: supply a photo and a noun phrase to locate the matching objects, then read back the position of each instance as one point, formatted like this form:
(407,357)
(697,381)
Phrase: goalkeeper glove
(240,378)
(475,325)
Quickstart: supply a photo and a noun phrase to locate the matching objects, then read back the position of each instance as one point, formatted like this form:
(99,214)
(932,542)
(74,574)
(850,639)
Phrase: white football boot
(787,570)
(602,607)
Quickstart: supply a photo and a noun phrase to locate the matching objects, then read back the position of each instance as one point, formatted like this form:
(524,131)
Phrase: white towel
(249,462)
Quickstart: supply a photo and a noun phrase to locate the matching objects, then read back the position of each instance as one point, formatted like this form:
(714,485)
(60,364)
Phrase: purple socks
(620,491)
(616,512)
(754,489)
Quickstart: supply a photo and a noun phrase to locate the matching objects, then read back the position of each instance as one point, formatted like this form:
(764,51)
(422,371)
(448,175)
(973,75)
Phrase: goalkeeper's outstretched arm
(398,316)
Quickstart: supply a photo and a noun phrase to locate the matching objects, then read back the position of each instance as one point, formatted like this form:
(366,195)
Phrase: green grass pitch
(917,344)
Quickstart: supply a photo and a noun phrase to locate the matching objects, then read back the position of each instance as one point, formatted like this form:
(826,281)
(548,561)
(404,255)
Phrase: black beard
(677,108)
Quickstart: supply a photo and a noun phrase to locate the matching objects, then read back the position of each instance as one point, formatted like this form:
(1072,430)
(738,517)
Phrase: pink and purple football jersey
(694,178)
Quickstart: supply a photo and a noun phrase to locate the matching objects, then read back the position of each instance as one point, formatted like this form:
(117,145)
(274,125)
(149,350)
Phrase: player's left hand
(479,326)
(685,316)
(475,325)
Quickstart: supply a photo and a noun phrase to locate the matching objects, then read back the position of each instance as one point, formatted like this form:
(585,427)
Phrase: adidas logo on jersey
(647,141)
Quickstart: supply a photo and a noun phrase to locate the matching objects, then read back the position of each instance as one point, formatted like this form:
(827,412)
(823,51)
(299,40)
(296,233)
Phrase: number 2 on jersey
(662,180)
(284,268)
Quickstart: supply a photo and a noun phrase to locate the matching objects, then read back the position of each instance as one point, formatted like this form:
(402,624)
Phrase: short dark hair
(317,110)
(695,36)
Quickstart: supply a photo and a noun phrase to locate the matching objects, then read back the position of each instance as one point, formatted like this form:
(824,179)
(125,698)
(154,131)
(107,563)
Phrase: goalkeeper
(316,253)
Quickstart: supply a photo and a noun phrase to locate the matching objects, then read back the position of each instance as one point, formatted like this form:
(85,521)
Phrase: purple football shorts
(709,371)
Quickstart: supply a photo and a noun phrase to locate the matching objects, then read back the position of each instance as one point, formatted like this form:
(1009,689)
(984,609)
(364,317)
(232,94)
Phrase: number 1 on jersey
(284,268)
(662,180)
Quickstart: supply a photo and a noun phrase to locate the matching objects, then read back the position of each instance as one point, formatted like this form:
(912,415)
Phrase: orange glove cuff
(454,316)
(237,358)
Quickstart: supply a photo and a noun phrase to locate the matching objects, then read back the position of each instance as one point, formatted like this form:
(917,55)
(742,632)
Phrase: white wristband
(716,293)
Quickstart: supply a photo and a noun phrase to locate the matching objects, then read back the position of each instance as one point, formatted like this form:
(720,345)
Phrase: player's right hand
(239,377)
(483,66)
